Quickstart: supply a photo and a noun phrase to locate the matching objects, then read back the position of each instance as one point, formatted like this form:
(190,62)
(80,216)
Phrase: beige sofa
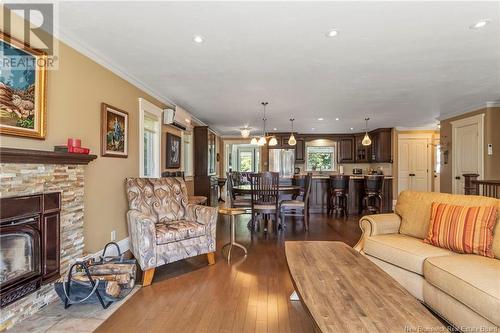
(463,288)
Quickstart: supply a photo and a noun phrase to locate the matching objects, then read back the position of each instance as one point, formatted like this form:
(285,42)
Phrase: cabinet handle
(412,175)
(457,177)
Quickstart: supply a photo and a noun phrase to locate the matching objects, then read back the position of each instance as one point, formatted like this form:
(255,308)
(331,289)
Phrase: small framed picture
(173,151)
(114,131)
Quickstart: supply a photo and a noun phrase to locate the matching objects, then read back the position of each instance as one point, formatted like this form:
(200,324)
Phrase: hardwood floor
(247,295)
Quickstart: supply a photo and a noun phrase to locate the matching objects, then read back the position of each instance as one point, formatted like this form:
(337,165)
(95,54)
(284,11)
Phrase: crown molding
(494,104)
(97,57)
(463,111)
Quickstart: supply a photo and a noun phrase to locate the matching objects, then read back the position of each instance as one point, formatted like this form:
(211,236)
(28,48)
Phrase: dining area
(268,200)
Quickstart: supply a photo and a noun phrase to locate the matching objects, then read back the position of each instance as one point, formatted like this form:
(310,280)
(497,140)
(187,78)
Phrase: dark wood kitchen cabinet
(346,150)
(381,147)
(300,152)
(363,153)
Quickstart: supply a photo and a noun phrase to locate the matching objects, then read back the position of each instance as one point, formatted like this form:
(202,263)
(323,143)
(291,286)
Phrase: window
(150,137)
(187,151)
(247,158)
(320,158)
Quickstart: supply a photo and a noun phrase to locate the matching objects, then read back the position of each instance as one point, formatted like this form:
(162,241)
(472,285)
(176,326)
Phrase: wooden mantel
(14,155)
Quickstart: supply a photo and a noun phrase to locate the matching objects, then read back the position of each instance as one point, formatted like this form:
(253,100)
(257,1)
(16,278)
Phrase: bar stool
(338,194)
(374,197)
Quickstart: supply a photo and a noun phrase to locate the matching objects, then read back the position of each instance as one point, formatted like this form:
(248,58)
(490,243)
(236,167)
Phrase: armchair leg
(148,277)
(211,258)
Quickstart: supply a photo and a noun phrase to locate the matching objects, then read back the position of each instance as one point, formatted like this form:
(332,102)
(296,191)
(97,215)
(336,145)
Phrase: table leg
(233,240)
(294,296)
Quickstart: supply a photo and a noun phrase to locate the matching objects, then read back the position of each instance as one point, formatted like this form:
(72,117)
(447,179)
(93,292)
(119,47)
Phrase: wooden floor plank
(246,295)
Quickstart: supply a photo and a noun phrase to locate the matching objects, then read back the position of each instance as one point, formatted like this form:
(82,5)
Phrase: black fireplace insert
(29,244)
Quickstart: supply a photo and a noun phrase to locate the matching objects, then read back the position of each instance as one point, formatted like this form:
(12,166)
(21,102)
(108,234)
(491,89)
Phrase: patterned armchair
(164,227)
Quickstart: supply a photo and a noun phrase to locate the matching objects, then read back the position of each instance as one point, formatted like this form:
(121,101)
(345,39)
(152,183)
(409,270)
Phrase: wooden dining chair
(265,196)
(298,207)
(234,200)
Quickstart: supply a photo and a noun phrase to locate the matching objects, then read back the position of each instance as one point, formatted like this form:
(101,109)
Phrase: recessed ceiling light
(198,39)
(352,128)
(332,33)
(313,129)
(337,119)
(480,24)
(275,129)
(320,119)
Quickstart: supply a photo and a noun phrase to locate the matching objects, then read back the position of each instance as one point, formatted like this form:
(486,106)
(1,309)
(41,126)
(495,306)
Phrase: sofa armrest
(142,233)
(379,224)
(205,215)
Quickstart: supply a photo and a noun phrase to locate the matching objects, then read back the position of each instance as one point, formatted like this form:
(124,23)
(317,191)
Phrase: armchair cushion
(175,231)
(172,199)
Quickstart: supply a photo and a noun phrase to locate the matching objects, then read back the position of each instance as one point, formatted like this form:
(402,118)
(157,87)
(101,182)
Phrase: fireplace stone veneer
(28,178)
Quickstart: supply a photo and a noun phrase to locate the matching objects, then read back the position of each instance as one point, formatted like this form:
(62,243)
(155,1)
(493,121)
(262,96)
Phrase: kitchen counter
(320,187)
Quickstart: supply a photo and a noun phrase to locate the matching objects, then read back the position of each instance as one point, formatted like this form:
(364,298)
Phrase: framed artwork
(173,151)
(114,131)
(22,89)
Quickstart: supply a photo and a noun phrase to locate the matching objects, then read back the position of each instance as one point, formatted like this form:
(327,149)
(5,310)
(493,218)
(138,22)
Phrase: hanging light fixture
(254,141)
(245,132)
(262,140)
(291,140)
(366,140)
(273,141)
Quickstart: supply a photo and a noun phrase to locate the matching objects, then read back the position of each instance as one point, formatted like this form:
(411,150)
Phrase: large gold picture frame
(22,91)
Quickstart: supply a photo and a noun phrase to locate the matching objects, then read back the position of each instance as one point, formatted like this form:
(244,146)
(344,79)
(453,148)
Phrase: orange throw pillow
(462,229)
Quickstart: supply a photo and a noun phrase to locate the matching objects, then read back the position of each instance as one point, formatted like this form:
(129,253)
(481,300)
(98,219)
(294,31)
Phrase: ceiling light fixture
(366,140)
(275,129)
(332,33)
(337,119)
(245,132)
(198,39)
(480,24)
(262,140)
(291,140)
(254,141)
(352,128)
(320,119)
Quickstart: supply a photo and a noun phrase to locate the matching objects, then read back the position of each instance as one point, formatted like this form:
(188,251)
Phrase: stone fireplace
(24,173)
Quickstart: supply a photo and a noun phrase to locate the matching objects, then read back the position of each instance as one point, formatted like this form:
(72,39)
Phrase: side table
(232,213)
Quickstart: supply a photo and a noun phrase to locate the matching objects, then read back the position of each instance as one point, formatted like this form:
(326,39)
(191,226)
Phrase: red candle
(73,142)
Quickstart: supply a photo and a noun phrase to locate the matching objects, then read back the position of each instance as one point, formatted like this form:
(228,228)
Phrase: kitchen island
(318,202)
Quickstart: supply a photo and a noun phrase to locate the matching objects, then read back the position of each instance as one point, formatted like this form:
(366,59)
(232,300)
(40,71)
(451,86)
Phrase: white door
(413,164)
(467,150)
(404,165)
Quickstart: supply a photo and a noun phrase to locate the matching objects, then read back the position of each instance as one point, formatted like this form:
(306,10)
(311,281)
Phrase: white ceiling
(401,63)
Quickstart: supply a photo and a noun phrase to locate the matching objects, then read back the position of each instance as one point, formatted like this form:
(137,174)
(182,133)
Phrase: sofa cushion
(462,229)
(415,208)
(473,280)
(174,231)
(403,251)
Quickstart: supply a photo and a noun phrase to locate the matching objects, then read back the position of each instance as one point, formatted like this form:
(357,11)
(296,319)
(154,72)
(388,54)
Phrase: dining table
(246,189)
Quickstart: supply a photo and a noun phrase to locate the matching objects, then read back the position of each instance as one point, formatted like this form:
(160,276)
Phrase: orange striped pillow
(462,229)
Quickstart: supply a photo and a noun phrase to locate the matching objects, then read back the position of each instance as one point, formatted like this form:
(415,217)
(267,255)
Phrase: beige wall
(491,135)
(74,95)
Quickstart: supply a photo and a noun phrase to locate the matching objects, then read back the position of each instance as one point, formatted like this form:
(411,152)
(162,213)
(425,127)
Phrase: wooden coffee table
(345,292)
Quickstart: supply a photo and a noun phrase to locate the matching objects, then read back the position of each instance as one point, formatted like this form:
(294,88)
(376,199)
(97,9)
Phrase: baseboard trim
(123,244)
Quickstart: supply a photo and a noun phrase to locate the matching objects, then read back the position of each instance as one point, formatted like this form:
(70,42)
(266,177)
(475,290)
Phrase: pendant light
(254,141)
(366,140)
(262,140)
(291,140)
(273,141)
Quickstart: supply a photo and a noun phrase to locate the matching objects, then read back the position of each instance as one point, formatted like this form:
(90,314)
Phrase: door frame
(418,136)
(479,120)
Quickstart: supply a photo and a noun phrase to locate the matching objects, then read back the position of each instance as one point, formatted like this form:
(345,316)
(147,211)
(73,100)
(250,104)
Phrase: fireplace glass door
(18,257)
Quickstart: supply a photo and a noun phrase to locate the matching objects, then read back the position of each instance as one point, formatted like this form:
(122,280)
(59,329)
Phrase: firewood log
(119,278)
(113,289)
(106,269)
